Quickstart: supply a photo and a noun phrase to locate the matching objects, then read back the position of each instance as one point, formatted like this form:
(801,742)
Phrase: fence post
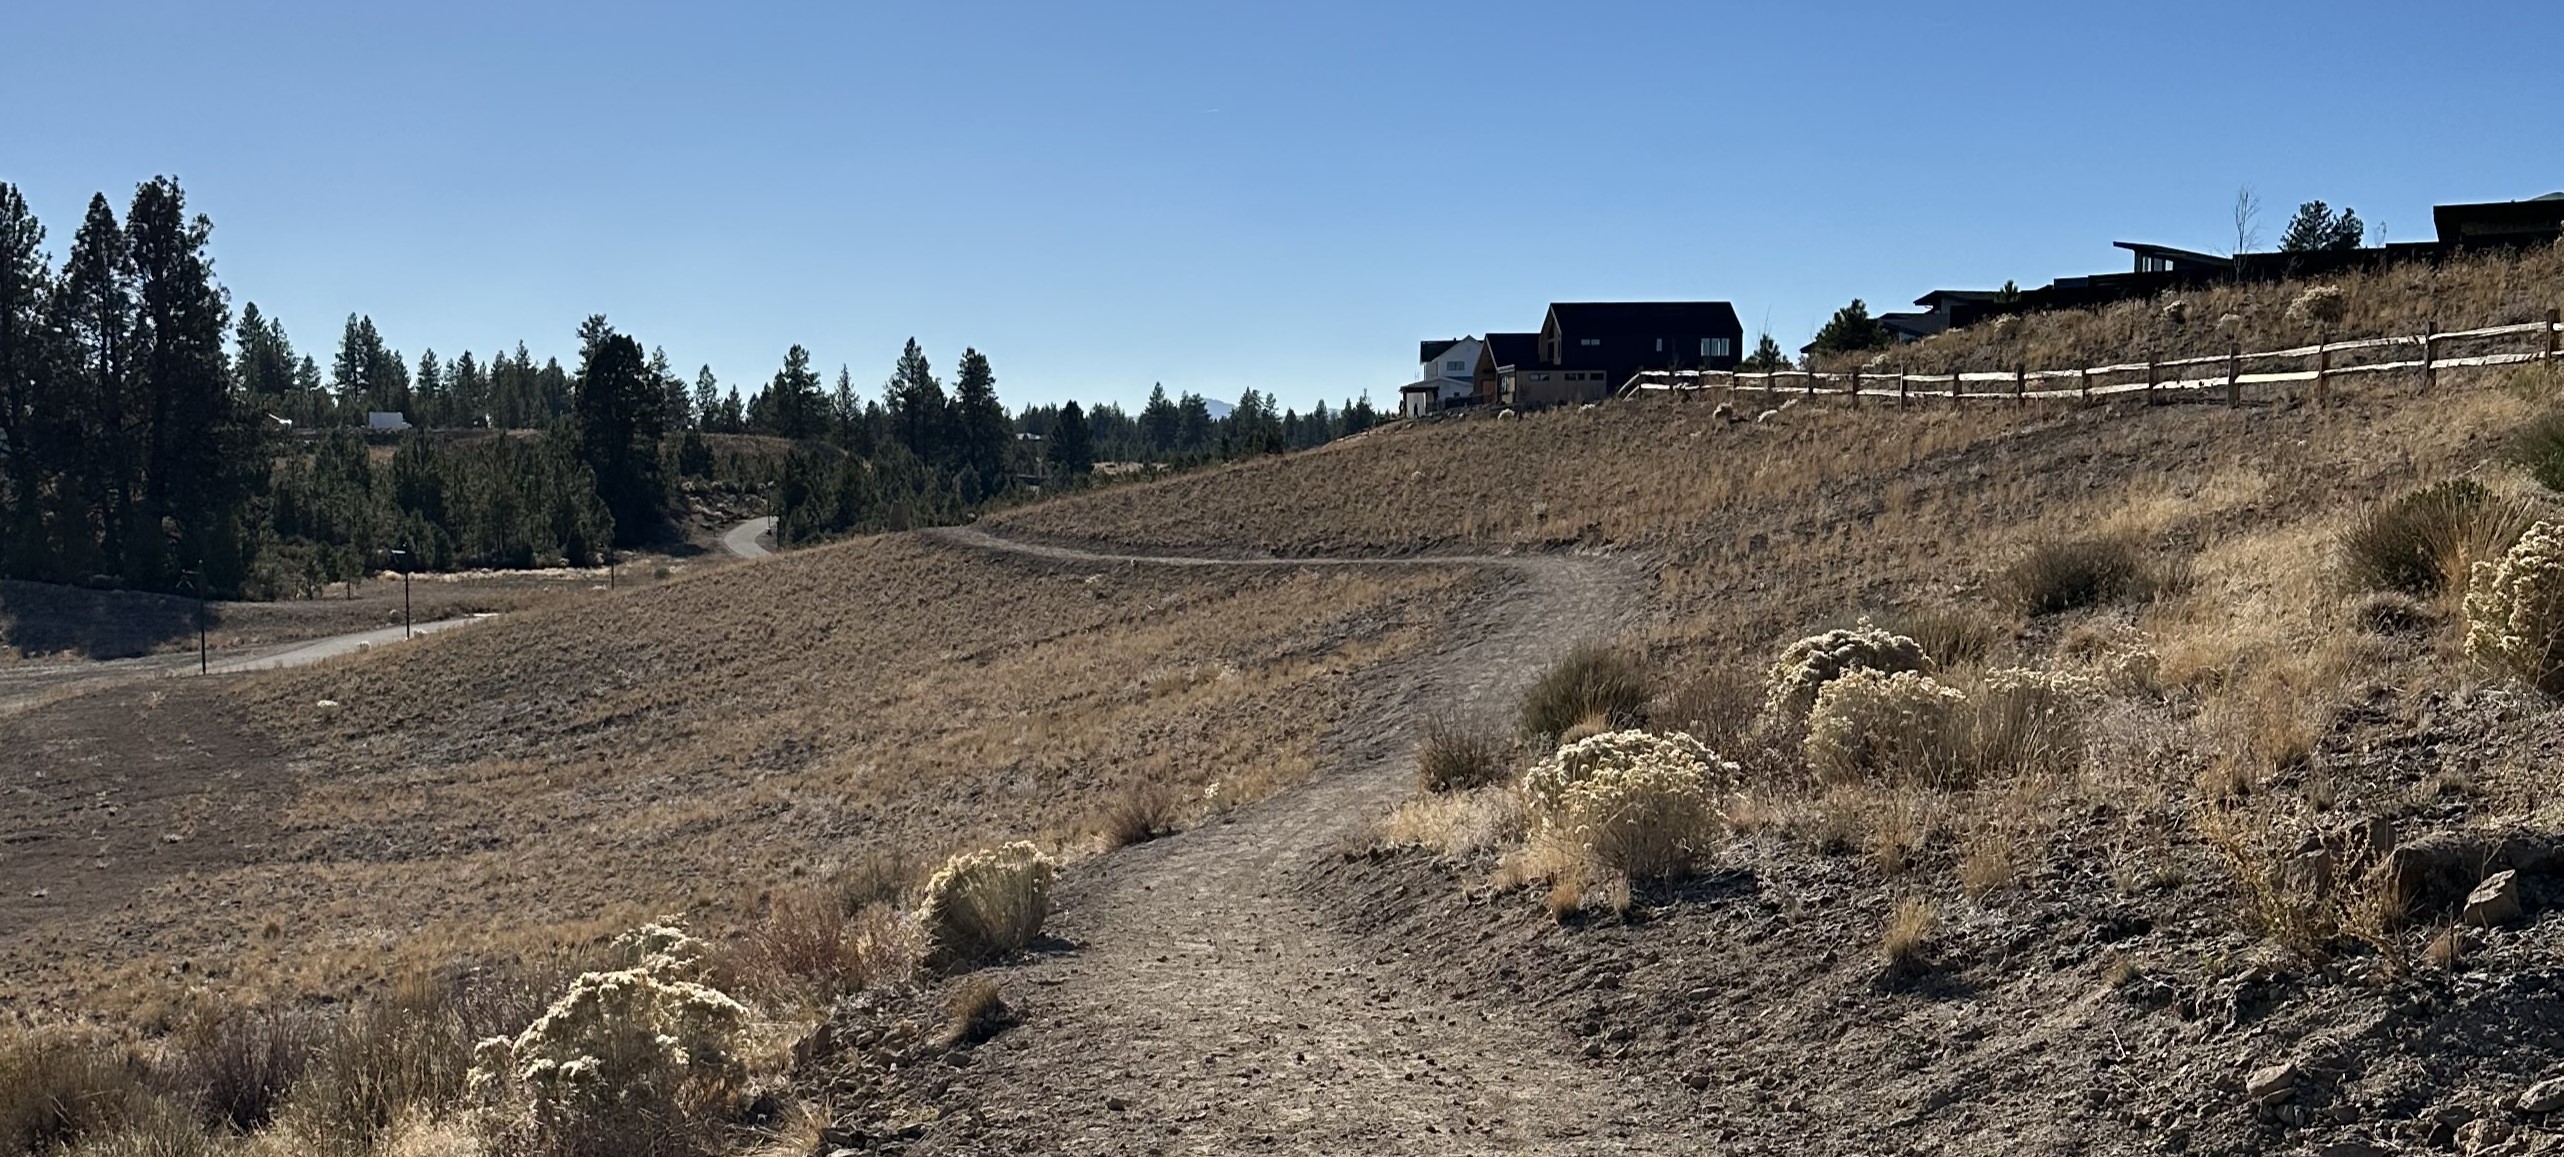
(2020,385)
(1900,385)
(2323,369)
(2552,321)
(1955,375)
(2086,383)
(2234,374)
(2154,375)
(1811,383)
(2430,371)
(1856,387)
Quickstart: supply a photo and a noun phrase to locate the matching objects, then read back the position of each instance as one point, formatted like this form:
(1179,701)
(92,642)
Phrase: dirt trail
(1213,1004)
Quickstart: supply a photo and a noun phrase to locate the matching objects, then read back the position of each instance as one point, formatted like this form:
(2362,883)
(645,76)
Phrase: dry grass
(808,947)
(1907,936)
(1593,685)
(1457,825)
(984,905)
(1143,812)
(974,1012)
(2428,542)
(2064,574)
(1456,758)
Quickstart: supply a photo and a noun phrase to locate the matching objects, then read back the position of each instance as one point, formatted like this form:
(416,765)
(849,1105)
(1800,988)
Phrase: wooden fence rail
(2329,361)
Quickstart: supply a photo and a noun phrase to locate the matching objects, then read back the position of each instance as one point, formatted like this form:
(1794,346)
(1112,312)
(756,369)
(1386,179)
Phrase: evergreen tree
(676,406)
(792,402)
(1193,431)
(1072,444)
(707,400)
(1160,422)
(914,403)
(25,350)
(427,390)
(1359,416)
(367,374)
(845,409)
(467,393)
(201,457)
(1852,329)
(984,439)
(1766,357)
(619,418)
(2317,229)
(97,406)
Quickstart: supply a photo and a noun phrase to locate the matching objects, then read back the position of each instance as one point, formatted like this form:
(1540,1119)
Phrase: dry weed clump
(1908,934)
(1593,680)
(1807,666)
(983,905)
(1638,804)
(2515,610)
(2028,722)
(1889,728)
(2538,447)
(807,944)
(2064,574)
(1144,811)
(56,1089)
(643,1059)
(240,1067)
(1456,758)
(1952,637)
(2429,541)
(1458,824)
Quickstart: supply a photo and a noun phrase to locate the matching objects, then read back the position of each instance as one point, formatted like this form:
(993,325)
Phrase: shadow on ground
(38,619)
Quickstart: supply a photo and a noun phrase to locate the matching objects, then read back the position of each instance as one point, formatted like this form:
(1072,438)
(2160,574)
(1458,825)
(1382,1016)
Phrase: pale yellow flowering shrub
(982,905)
(624,1058)
(2515,610)
(1887,727)
(1633,802)
(1806,666)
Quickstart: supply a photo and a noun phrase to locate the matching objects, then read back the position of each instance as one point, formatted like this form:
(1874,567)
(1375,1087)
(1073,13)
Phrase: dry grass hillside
(682,748)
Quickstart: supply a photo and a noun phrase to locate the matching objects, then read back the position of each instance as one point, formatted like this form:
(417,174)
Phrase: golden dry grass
(549,779)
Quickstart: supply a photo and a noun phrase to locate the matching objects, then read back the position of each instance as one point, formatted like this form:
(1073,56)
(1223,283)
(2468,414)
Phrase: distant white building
(386,421)
(1446,375)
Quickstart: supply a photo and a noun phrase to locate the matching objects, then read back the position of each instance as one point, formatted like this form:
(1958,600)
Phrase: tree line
(149,439)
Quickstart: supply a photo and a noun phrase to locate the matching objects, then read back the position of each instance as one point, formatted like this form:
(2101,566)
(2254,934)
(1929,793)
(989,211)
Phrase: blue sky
(1222,196)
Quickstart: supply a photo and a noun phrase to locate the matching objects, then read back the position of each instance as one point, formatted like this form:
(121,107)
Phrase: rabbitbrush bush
(983,905)
(1806,666)
(2515,610)
(1888,727)
(1636,803)
(637,1060)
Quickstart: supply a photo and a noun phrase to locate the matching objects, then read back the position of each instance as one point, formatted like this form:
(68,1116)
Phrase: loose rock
(2495,901)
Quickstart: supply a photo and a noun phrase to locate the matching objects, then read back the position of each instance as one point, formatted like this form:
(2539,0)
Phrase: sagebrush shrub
(1593,680)
(2063,574)
(2429,540)
(2321,305)
(1806,666)
(2515,610)
(983,905)
(1887,727)
(1636,803)
(636,1060)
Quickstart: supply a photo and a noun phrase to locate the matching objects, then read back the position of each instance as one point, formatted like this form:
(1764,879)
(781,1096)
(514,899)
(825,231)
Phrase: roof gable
(1642,318)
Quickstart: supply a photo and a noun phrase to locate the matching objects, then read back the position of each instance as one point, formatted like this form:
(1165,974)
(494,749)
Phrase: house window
(1456,367)
(1660,345)
(1588,341)
(1716,347)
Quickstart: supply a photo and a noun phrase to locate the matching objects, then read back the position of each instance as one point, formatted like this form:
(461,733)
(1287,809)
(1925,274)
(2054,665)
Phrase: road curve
(1216,1002)
(746,540)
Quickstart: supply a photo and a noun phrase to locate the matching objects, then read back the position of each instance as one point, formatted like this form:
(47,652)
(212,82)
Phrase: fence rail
(2330,360)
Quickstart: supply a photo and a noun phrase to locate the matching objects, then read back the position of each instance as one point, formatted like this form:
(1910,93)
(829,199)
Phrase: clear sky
(1283,196)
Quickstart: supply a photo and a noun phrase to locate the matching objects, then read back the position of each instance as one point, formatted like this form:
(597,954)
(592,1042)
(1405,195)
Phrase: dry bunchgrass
(2428,541)
(2064,574)
(1143,812)
(1907,936)
(984,905)
(1593,684)
(807,946)
(1458,758)
(1457,825)
(974,1011)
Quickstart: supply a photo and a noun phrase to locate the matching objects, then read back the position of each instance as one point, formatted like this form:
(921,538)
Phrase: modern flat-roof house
(2536,221)
(1586,350)
(1446,376)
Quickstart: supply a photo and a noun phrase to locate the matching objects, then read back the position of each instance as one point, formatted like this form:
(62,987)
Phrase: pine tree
(707,399)
(792,401)
(202,457)
(467,392)
(914,402)
(427,390)
(1766,357)
(1193,432)
(1160,421)
(98,407)
(845,409)
(981,433)
(1072,445)
(2317,229)
(1852,329)
(619,426)
(676,407)
(25,350)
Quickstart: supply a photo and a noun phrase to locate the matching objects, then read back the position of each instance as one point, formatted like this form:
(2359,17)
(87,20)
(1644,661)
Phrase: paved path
(1214,1003)
(29,684)
(748,539)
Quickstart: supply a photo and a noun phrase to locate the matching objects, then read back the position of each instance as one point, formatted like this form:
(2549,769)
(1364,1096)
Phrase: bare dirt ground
(1201,998)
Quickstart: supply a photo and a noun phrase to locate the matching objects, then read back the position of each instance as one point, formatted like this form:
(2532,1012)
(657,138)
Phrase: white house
(385,421)
(1446,375)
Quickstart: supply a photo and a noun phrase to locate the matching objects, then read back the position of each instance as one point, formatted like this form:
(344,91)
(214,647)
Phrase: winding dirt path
(1213,1004)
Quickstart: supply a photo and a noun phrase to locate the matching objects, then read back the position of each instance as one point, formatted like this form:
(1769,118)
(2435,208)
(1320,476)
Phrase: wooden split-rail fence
(2323,363)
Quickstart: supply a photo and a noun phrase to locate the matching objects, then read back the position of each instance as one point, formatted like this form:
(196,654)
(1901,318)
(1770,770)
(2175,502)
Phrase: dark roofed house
(2537,221)
(1589,349)
(1501,355)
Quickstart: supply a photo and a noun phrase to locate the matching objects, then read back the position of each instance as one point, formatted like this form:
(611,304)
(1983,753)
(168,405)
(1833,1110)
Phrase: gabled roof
(1427,351)
(1513,349)
(1644,318)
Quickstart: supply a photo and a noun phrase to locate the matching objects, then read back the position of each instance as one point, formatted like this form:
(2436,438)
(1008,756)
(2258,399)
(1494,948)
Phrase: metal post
(404,556)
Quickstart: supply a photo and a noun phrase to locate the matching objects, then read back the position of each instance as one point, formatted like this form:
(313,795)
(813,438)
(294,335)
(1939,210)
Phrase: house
(2537,221)
(1586,350)
(1446,376)
(385,421)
